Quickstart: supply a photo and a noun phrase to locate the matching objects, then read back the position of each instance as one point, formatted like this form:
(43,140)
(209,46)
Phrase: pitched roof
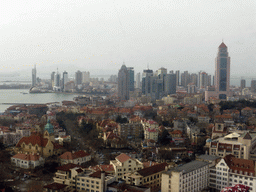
(70,156)
(240,164)
(248,136)
(33,139)
(222,45)
(26,157)
(123,157)
(152,170)
(106,168)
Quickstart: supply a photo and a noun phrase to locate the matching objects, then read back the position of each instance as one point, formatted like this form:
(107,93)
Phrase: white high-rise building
(86,77)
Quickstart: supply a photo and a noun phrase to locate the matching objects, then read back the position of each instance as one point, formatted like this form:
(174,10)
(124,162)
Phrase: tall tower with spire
(222,75)
(222,72)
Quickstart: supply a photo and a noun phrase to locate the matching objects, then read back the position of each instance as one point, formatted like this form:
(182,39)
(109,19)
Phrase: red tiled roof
(123,157)
(97,174)
(27,157)
(149,164)
(56,145)
(68,166)
(152,170)
(33,139)
(55,186)
(243,165)
(106,168)
(75,155)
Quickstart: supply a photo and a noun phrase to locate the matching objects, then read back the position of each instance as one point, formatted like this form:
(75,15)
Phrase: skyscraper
(146,88)
(78,78)
(170,84)
(34,76)
(203,82)
(65,79)
(86,77)
(222,75)
(131,78)
(253,86)
(123,83)
(138,80)
(243,83)
(177,77)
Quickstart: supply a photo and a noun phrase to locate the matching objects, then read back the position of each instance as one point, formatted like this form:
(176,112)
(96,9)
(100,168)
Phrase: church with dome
(41,144)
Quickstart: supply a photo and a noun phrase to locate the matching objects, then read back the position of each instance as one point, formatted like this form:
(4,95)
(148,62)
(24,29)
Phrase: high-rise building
(34,76)
(209,80)
(131,78)
(52,78)
(222,75)
(185,79)
(177,77)
(138,80)
(85,77)
(123,83)
(146,88)
(78,78)
(64,79)
(222,72)
(194,78)
(203,80)
(57,80)
(253,86)
(243,83)
(170,84)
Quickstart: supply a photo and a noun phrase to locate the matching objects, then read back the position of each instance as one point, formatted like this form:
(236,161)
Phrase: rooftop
(189,167)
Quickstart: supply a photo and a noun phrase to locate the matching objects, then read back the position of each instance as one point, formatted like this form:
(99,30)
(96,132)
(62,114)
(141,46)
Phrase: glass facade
(223,74)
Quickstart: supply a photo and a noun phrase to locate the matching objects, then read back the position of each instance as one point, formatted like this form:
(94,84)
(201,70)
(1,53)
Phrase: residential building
(130,130)
(27,161)
(239,145)
(203,80)
(170,84)
(123,83)
(117,186)
(192,176)
(150,128)
(124,164)
(177,77)
(148,177)
(231,171)
(56,187)
(78,157)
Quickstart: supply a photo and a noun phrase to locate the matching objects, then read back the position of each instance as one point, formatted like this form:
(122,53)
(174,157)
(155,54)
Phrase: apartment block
(191,176)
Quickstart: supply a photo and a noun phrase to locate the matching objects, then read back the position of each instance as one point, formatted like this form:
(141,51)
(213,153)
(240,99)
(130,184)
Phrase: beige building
(148,177)
(80,179)
(192,176)
(125,164)
(239,145)
(150,128)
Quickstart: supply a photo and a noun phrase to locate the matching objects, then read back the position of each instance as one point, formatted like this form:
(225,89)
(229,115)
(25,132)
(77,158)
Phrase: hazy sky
(99,35)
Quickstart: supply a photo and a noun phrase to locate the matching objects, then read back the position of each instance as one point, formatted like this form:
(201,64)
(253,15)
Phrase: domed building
(37,143)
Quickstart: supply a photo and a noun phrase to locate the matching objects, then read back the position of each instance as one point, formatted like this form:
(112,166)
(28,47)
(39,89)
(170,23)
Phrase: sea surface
(23,96)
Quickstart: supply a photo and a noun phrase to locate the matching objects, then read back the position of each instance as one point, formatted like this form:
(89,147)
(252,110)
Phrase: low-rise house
(27,161)
(78,157)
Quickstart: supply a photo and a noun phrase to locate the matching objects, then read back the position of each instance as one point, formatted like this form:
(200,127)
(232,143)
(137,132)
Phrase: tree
(164,138)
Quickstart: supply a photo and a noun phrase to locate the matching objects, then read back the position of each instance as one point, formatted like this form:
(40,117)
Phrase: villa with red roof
(77,157)
(27,161)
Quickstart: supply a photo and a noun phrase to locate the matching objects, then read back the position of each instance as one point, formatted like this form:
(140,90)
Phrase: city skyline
(100,36)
